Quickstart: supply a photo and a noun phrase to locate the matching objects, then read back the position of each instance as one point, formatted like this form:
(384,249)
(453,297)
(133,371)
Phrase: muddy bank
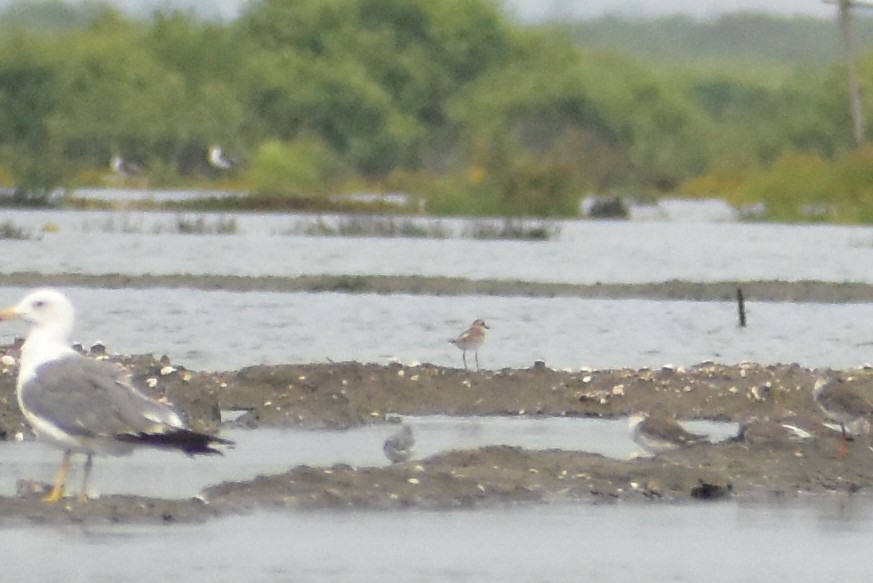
(343,395)
(350,394)
(763,291)
(501,475)
(497,476)
(116,509)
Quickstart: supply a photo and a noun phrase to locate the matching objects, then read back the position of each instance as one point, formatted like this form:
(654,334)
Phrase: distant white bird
(124,168)
(471,339)
(79,405)
(217,159)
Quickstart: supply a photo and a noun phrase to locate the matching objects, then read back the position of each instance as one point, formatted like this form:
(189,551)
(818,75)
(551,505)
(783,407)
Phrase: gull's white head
(46,310)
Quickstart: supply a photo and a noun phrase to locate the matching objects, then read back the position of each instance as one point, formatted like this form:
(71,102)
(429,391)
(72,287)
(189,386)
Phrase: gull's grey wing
(83,397)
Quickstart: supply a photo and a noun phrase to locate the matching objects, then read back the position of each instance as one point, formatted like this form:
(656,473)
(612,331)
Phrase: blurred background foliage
(448,100)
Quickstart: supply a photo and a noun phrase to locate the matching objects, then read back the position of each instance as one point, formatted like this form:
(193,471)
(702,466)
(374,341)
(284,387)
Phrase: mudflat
(352,394)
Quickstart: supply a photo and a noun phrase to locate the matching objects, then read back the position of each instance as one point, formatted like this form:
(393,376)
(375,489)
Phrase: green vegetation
(49,16)
(448,100)
(744,37)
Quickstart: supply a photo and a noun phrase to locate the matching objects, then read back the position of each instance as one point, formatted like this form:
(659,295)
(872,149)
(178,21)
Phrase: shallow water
(217,330)
(798,540)
(804,539)
(585,252)
(265,451)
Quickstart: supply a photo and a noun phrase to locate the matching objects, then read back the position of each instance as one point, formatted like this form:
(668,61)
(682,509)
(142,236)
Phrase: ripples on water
(585,252)
(217,330)
(812,540)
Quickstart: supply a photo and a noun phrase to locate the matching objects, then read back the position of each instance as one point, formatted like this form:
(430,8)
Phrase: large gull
(79,405)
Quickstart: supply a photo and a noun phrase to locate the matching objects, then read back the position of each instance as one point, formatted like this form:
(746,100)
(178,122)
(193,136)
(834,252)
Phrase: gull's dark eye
(38,304)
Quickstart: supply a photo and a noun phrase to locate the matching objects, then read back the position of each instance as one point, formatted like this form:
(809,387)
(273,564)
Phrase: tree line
(446,99)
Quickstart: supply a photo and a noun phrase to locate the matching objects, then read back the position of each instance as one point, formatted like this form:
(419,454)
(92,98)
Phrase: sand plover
(471,339)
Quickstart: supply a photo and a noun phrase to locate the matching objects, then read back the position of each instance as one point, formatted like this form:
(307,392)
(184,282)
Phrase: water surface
(585,252)
(803,539)
(799,540)
(218,330)
(271,451)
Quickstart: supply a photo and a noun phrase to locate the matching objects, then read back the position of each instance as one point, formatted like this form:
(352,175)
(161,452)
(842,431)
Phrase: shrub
(303,166)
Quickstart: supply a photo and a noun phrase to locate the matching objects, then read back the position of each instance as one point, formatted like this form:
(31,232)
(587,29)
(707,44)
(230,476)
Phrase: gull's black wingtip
(190,442)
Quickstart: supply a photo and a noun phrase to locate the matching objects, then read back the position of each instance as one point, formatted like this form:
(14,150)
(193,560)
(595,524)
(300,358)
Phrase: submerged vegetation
(448,100)
(200,226)
(530,230)
(10,230)
(181,225)
(361,225)
(346,225)
(368,225)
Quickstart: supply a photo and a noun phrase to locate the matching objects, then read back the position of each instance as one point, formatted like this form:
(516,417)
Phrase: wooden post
(844,16)
(741,307)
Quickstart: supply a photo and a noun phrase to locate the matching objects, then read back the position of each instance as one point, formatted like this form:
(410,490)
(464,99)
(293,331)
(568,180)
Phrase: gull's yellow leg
(83,493)
(58,491)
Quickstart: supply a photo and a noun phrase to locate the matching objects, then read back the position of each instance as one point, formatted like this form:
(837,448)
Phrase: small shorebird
(471,339)
(845,405)
(759,430)
(660,434)
(80,405)
(400,446)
